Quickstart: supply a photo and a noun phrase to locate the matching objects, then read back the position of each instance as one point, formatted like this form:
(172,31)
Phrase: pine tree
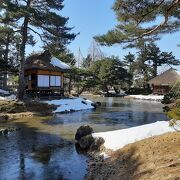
(149,58)
(37,17)
(138,19)
(110,72)
(6,39)
(158,58)
(128,62)
(87,62)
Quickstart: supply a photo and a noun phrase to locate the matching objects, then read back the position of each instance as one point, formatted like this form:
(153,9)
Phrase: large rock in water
(96,145)
(85,140)
(83,131)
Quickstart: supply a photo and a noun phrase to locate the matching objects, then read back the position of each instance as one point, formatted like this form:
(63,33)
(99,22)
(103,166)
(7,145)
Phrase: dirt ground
(155,158)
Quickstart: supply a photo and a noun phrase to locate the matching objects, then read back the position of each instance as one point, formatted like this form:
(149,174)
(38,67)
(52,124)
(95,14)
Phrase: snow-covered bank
(115,140)
(147,97)
(3,91)
(5,95)
(10,97)
(73,104)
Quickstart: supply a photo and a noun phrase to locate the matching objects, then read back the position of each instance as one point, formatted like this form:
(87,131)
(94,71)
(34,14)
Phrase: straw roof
(42,61)
(166,78)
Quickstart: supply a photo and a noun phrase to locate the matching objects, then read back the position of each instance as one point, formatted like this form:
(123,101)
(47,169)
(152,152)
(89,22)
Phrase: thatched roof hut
(166,78)
(161,83)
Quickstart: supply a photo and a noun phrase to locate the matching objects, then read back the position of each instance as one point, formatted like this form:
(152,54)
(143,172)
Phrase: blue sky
(94,17)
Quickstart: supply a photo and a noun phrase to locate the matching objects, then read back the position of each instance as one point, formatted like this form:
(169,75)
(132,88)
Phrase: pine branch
(166,18)
(144,15)
(36,33)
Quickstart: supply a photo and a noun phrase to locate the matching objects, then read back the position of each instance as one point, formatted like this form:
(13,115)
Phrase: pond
(44,149)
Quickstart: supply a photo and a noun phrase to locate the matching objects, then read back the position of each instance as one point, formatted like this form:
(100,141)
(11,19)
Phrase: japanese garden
(89,90)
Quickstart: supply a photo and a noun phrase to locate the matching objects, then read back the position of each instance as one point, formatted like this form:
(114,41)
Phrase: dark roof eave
(54,70)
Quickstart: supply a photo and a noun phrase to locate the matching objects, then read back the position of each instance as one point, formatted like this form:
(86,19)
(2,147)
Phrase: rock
(94,105)
(4,131)
(96,145)
(13,129)
(8,130)
(4,118)
(18,129)
(19,103)
(166,108)
(83,102)
(98,103)
(83,131)
(86,142)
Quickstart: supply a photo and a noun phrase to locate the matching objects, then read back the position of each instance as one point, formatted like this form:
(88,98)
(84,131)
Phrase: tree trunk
(24,31)
(81,90)
(116,90)
(70,85)
(6,60)
(106,89)
(145,83)
(5,80)
(155,68)
(7,47)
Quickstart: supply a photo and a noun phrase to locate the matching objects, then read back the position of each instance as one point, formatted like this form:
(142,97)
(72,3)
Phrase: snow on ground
(73,104)
(115,140)
(10,97)
(59,63)
(148,97)
(3,91)
(5,95)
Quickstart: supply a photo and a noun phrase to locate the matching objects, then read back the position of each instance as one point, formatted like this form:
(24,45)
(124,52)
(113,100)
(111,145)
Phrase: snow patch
(105,156)
(73,104)
(11,97)
(56,62)
(148,97)
(115,140)
(3,91)
(5,95)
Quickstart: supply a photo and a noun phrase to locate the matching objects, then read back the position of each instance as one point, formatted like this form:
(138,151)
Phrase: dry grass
(156,158)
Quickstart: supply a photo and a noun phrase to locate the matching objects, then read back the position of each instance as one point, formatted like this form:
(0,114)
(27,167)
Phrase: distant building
(161,83)
(44,73)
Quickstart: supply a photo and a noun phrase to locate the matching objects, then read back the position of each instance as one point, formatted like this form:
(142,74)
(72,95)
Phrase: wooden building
(44,73)
(161,84)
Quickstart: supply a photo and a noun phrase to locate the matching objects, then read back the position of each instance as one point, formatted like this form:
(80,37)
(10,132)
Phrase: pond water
(44,149)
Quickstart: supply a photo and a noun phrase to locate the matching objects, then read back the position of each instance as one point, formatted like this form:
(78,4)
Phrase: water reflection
(115,113)
(28,154)
(45,149)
